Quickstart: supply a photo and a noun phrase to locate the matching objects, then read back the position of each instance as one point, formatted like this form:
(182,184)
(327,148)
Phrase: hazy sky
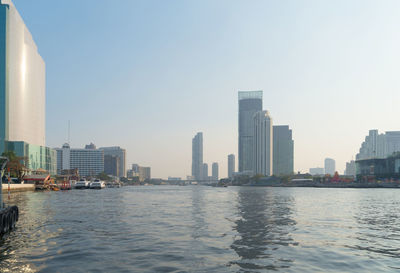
(147,75)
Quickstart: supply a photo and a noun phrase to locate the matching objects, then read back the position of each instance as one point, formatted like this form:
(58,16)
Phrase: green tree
(103,176)
(16,165)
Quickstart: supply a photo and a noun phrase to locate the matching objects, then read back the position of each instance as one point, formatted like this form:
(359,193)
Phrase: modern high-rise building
(250,102)
(112,165)
(215,171)
(262,143)
(22,92)
(392,142)
(204,172)
(231,165)
(379,146)
(89,162)
(197,156)
(283,150)
(121,154)
(350,168)
(144,173)
(330,166)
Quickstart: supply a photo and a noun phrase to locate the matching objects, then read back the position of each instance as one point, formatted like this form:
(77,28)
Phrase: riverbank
(18,187)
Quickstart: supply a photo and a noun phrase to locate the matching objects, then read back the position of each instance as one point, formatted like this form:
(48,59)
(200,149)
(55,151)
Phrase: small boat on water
(113,184)
(82,184)
(97,184)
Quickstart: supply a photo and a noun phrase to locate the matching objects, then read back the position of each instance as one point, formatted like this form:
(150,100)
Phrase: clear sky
(147,75)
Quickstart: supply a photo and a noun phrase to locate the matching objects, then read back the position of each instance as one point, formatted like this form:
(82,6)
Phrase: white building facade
(263,143)
(89,162)
(330,166)
(22,93)
(378,145)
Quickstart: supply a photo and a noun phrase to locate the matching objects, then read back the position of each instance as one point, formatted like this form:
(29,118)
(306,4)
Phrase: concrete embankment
(18,187)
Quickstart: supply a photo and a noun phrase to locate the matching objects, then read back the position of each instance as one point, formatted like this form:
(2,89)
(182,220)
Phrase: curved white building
(263,143)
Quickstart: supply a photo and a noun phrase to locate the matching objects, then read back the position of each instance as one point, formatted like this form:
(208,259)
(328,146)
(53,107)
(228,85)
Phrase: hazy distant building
(121,154)
(144,173)
(215,171)
(350,168)
(111,165)
(197,156)
(262,143)
(283,151)
(90,146)
(190,178)
(204,172)
(22,93)
(231,165)
(330,166)
(89,162)
(135,168)
(250,102)
(131,173)
(317,171)
(170,178)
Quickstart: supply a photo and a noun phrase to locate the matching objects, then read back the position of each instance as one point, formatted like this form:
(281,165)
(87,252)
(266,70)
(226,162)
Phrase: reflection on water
(264,227)
(378,231)
(205,229)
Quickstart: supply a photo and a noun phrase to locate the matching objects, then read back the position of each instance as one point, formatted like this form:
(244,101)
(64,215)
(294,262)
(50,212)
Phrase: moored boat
(82,184)
(97,184)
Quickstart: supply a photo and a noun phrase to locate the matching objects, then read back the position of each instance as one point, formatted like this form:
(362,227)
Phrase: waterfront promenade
(18,187)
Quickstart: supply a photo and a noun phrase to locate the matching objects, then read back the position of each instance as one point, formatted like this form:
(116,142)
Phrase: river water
(205,229)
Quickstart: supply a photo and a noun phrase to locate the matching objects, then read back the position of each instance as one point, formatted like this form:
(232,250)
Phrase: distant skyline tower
(263,145)
(121,154)
(231,165)
(283,151)
(215,171)
(204,172)
(330,166)
(197,156)
(250,102)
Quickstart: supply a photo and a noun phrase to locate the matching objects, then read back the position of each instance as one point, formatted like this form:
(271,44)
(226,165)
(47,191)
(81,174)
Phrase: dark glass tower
(197,156)
(250,102)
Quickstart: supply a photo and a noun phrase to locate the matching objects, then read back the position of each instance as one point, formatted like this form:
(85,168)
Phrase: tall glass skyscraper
(197,156)
(250,102)
(283,150)
(22,81)
(22,91)
(231,165)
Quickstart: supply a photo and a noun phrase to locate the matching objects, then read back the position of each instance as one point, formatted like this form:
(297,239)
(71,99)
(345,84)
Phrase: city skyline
(325,102)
